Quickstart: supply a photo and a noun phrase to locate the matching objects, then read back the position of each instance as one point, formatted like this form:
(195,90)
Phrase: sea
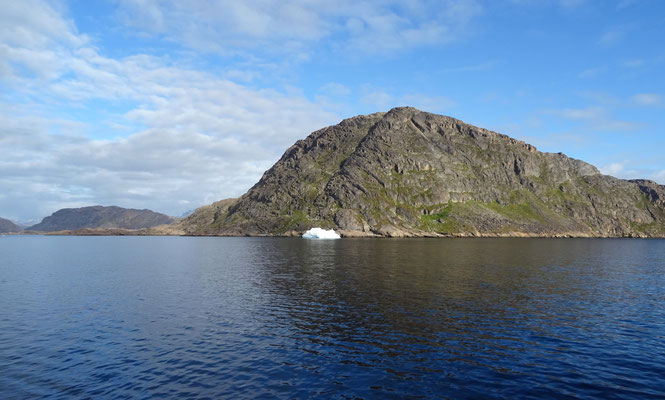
(249,318)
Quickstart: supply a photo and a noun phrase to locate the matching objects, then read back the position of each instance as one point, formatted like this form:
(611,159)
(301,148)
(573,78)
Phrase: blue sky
(170,105)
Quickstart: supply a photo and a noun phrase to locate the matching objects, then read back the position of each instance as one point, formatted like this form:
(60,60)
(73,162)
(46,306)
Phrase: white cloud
(591,72)
(377,99)
(572,3)
(633,63)
(580,113)
(567,4)
(39,27)
(614,35)
(290,26)
(614,169)
(484,66)
(621,170)
(648,99)
(203,137)
(335,89)
(659,177)
(217,148)
(222,25)
(626,3)
(600,97)
(595,118)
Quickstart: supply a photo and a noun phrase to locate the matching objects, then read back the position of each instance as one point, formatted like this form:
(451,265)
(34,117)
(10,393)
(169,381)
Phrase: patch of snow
(318,233)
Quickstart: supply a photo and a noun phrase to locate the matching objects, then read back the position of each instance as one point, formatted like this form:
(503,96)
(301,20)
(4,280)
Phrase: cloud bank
(78,127)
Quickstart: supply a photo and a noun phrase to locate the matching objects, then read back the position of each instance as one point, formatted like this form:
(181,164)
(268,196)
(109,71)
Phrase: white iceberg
(318,233)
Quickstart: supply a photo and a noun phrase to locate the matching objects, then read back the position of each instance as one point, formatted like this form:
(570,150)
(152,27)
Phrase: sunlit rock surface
(412,173)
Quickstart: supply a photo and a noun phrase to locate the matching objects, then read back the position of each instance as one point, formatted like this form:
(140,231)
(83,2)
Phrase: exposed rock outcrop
(412,173)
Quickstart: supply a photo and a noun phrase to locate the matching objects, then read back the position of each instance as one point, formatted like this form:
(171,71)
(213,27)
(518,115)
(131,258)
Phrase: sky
(171,105)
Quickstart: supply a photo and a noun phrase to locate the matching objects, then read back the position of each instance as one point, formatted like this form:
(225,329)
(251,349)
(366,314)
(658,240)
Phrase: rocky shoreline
(168,231)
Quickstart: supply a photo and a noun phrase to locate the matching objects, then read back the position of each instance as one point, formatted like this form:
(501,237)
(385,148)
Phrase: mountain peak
(411,173)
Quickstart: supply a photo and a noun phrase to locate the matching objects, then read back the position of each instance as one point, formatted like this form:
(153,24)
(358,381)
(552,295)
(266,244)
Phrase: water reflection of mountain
(459,307)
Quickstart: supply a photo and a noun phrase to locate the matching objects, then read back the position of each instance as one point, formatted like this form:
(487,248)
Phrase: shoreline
(344,234)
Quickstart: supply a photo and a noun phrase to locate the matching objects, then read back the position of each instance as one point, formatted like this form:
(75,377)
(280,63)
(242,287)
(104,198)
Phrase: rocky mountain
(7,226)
(412,173)
(100,217)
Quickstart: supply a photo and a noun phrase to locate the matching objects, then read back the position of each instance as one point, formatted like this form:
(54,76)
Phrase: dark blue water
(141,317)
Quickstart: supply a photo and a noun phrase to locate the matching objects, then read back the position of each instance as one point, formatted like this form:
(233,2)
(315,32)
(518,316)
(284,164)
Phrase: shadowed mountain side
(99,217)
(7,226)
(412,173)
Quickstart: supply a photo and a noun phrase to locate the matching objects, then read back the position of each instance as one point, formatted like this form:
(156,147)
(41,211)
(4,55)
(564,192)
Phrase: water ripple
(284,318)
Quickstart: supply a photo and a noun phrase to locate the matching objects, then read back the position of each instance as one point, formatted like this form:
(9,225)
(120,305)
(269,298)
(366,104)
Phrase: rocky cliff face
(7,226)
(411,173)
(100,217)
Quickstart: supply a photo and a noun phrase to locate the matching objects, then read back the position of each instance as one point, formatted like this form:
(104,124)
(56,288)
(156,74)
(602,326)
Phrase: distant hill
(100,217)
(412,173)
(7,226)
(187,213)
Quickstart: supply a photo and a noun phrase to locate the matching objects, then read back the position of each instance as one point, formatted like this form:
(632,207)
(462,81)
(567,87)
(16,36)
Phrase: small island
(409,173)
